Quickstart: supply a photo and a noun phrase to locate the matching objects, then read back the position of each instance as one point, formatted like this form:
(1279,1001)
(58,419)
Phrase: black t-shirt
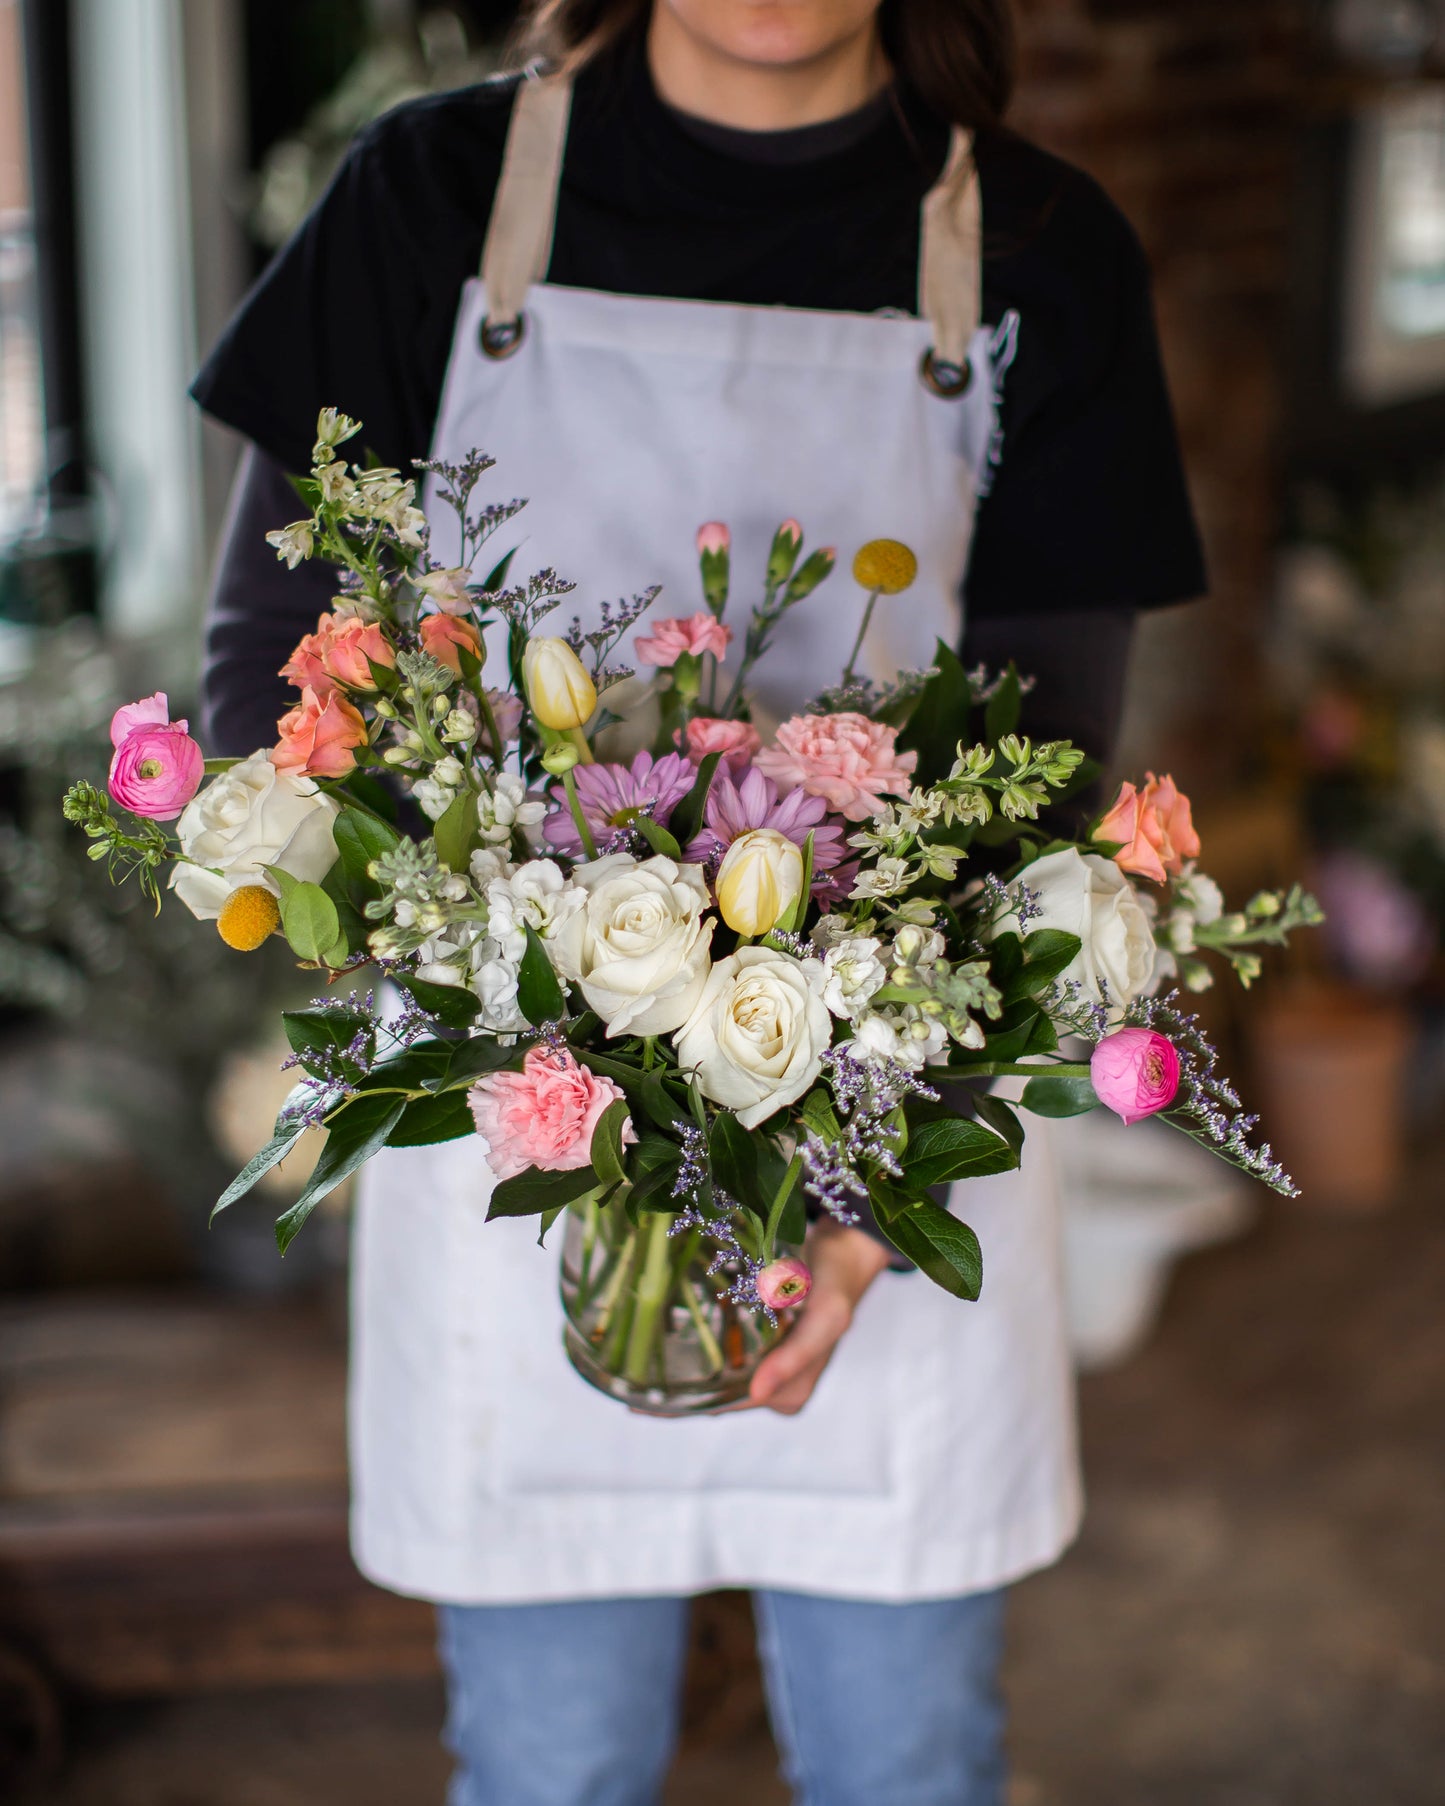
(1084,504)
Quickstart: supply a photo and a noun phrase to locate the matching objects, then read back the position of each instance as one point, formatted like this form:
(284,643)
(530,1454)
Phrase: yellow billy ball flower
(885,564)
(248,916)
(561,693)
(759,880)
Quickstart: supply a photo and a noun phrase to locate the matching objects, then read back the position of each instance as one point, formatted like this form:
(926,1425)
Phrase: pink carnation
(737,741)
(849,760)
(678,634)
(1135,1073)
(156,769)
(713,536)
(542,1116)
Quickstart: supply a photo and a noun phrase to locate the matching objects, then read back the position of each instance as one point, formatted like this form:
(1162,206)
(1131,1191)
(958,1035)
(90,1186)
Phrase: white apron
(937,1456)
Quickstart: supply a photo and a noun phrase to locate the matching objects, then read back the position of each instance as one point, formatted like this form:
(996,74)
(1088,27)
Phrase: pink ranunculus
(319,736)
(446,637)
(1135,1073)
(156,770)
(783,1283)
(713,536)
(671,638)
(349,647)
(150,711)
(737,741)
(542,1116)
(849,760)
(1154,829)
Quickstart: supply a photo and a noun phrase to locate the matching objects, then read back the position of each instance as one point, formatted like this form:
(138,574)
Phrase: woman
(731,266)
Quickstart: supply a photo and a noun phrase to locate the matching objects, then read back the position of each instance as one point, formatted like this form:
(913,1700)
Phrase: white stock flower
(433,799)
(488,863)
(507,807)
(641,947)
(906,1036)
(537,895)
(852,972)
(886,878)
(250,817)
(293,543)
(757,1037)
(494,980)
(1087,895)
(915,946)
(336,485)
(448,589)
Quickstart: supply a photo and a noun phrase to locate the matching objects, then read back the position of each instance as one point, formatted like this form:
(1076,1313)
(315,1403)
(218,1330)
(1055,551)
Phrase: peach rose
(304,667)
(350,647)
(1154,828)
(319,736)
(445,637)
(847,759)
(679,634)
(542,1116)
(737,741)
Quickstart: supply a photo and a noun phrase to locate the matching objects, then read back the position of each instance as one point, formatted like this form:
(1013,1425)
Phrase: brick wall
(1187,111)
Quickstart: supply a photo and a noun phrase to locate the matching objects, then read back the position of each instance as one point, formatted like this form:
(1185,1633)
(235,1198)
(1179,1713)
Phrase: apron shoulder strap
(950,273)
(524,208)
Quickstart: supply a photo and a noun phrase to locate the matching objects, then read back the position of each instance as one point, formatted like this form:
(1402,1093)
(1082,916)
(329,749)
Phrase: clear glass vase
(645,1324)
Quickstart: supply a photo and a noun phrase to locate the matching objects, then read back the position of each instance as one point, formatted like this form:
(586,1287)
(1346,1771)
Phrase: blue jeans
(576,1704)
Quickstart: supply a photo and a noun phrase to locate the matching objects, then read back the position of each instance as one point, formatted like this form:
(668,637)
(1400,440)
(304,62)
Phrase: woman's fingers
(785,1379)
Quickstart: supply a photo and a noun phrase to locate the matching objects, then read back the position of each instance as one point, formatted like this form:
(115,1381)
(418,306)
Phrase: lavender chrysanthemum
(612,796)
(735,808)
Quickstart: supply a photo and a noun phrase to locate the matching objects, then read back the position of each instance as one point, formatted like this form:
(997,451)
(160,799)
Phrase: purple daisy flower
(612,795)
(734,808)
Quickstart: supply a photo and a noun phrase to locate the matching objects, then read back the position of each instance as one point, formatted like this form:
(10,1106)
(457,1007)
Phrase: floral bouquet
(684,984)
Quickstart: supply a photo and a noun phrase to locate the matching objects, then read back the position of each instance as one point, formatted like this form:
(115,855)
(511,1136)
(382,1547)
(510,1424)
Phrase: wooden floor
(1255,1615)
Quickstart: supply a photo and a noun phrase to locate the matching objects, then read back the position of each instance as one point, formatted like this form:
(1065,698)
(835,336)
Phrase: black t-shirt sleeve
(1088,507)
(357,310)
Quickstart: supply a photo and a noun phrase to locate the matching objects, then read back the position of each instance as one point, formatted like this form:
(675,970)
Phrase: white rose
(250,817)
(1089,896)
(640,948)
(757,1037)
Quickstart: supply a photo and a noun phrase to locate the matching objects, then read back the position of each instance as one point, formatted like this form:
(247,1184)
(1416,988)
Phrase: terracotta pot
(1330,1081)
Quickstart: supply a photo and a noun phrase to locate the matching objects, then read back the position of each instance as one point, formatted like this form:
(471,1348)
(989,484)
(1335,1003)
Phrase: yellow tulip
(561,693)
(759,880)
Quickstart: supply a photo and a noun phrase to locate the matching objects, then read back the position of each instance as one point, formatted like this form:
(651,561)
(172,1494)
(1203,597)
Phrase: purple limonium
(736,807)
(612,796)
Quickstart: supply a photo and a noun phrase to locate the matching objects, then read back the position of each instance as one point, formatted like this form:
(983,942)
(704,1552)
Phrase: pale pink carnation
(542,1116)
(849,760)
(678,634)
(1135,1073)
(737,741)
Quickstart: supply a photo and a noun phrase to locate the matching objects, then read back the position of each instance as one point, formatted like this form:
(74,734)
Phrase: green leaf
(1002,713)
(949,1148)
(313,1032)
(455,831)
(533,1192)
(275,1151)
(1043,1038)
(932,1238)
(940,719)
(733,1155)
(1001,1117)
(606,1152)
(497,576)
(686,818)
(425,1120)
(452,1004)
(658,1103)
(1047,952)
(308,919)
(356,1133)
(656,836)
(817,1112)
(652,1190)
(415,1068)
(1010,1041)
(360,839)
(1053,1096)
(799,912)
(539,990)
(472,1058)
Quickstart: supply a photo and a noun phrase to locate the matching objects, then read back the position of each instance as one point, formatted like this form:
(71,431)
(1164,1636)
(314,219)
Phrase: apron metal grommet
(501,338)
(945,379)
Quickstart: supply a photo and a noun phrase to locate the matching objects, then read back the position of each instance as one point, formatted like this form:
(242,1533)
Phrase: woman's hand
(845,1262)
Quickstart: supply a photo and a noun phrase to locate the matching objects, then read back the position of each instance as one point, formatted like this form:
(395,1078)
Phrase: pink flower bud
(713,537)
(1135,1073)
(791,529)
(783,1283)
(156,770)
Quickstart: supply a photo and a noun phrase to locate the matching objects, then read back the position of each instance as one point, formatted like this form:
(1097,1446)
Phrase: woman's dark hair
(960,55)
